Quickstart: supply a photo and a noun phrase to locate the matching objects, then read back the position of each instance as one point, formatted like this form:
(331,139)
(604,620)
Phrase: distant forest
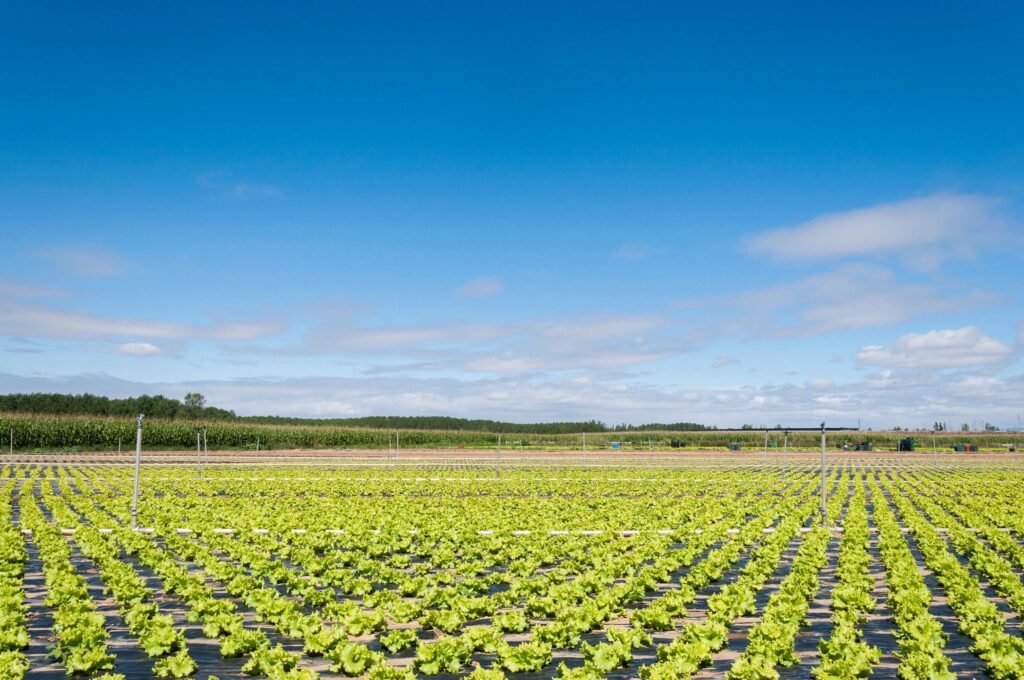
(194,407)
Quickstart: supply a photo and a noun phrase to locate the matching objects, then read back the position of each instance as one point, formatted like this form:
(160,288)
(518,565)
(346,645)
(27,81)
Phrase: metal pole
(765,462)
(933,441)
(206,449)
(257,444)
(584,448)
(785,447)
(823,523)
(138,461)
(119,445)
(497,459)
(398,444)
(199,451)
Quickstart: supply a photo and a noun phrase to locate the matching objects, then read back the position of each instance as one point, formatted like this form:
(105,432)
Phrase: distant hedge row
(69,433)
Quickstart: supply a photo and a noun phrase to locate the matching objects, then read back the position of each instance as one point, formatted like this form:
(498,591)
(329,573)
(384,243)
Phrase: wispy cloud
(21,316)
(484,287)
(723,361)
(600,343)
(340,337)
(223,185)
(632,252)
(88,261)
(958,348)
(850,297)
(138,349)
(12,289)
(32,320)
(924,230)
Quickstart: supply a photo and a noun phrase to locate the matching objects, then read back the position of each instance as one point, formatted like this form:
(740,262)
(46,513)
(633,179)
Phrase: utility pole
(765,461)
(257,444)
(497,459)
(199,451)
(584,447)
(933,442)
(138,461)
(823,523)
(398,444)
(206,449)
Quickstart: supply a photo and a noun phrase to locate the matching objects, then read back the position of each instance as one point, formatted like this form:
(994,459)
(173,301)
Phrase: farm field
(42,433)
(708,566)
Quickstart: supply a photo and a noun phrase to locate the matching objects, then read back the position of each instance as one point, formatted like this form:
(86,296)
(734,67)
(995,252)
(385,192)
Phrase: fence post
(823,523)
(138,461)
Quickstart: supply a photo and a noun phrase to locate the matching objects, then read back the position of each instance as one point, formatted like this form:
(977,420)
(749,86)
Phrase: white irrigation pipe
(693,464)
(734,531)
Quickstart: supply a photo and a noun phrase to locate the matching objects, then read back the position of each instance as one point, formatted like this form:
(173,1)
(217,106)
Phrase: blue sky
(634,212)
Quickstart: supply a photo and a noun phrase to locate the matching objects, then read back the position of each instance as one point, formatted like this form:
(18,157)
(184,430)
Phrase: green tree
(194,404)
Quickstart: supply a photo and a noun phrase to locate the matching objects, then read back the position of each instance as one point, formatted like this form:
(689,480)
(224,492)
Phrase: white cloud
(222,185)
(138,349)
(88,261)
(723,361)
(958,348)
(632,252)
(924,229)
(484,287)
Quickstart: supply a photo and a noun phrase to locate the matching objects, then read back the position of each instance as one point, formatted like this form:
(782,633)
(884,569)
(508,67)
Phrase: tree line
(157,406)
(193,407)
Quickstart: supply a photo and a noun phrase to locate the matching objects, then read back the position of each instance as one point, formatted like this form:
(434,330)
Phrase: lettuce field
(577,572)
